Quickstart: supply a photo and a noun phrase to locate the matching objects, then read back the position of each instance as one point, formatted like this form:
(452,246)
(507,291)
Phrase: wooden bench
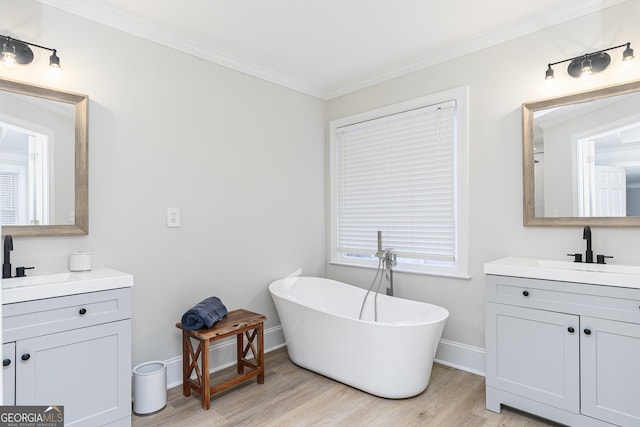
(240,323)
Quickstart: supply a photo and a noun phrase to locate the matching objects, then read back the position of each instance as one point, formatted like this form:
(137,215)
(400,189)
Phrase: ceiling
(327,48)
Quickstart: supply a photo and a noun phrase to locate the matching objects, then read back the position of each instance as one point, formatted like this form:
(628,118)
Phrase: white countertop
(627,276)
(19,289)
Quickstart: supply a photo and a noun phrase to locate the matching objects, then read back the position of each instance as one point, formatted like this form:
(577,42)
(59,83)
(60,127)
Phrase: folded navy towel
(204,314)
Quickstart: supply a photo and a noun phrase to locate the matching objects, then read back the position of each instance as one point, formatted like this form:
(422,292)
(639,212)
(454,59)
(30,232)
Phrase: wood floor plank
(292,396)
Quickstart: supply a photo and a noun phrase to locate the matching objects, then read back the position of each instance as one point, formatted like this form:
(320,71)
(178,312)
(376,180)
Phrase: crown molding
(475,44)
(95,11)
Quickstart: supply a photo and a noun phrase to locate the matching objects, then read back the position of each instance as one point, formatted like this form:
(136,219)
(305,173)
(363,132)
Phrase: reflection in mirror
(36,161)
(582,158)
(43,164)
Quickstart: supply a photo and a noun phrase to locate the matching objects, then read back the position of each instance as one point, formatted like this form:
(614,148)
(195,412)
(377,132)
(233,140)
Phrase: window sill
(405,270)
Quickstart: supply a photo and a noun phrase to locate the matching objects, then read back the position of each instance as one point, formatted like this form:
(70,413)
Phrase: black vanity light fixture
(17,52)
(590,63)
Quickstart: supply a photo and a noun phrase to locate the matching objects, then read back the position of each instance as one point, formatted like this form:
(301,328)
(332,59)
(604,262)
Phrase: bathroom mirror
(581,158)
(43,161)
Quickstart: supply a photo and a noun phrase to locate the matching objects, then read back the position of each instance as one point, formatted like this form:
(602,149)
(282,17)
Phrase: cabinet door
(532,353)
(9,373)
(87,370)
(610,356)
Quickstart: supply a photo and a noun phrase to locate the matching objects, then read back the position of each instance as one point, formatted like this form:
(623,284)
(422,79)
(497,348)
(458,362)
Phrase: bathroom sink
(18,289)
(566,271)
(47,279)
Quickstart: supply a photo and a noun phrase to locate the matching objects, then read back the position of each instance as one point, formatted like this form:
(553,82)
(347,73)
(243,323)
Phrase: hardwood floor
(292,396)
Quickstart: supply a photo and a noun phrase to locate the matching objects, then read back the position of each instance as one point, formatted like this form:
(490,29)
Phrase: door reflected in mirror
(594,158)
(582,158)
(36,161)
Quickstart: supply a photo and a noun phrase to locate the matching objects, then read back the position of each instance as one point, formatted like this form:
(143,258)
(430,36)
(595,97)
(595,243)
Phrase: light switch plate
(173,217)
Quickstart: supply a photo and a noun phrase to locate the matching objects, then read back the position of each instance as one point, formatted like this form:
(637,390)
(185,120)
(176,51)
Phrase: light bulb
(9,55)
(55,72)
(585,71)
(9,60)
(628,65)
(627,58)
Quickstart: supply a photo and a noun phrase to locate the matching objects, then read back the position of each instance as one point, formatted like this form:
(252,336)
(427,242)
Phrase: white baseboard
(461,356)
(223,355)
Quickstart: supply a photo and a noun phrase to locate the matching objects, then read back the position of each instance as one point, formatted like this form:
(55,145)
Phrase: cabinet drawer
(46,316)
(577,298)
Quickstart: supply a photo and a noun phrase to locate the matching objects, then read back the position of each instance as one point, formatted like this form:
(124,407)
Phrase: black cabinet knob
(6,362)
(26,356)
(570,329)
(83,311)
(525,293)
(587,331)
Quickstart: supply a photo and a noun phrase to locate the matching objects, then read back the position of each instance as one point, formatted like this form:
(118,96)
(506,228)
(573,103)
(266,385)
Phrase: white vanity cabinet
(611,355)
(9,373)
(565,351)
(72,350)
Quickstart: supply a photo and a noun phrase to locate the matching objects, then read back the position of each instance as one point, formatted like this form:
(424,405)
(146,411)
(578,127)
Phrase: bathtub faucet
(389,262)
(388,258)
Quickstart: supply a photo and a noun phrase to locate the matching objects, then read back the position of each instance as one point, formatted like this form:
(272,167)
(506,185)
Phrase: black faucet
(577,257)
(6,263)
(586,235)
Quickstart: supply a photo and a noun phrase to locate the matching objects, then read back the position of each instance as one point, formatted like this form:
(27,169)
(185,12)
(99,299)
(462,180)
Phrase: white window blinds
(9,198)
(397,174)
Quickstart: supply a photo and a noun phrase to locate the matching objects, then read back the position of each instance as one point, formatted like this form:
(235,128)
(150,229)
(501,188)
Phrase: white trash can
(149,387)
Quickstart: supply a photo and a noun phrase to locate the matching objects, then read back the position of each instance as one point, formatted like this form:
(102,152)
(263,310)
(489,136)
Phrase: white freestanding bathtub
(389,358)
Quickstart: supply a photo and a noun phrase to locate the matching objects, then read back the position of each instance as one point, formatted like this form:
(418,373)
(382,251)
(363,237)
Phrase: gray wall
(242,158)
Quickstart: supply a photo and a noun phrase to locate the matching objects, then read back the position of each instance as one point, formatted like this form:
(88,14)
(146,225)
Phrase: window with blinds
(399,172)
(9,212)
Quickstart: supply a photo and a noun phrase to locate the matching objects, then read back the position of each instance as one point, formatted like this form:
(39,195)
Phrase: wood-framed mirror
(581,158)
(43,160)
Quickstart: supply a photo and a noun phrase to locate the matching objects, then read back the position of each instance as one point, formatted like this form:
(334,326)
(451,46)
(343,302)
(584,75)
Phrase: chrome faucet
(586,235)
(6,260)
(388,257)
(380,253)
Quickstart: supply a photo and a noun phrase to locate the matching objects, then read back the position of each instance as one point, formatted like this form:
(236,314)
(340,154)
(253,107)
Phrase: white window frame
(37,181)
(460,267)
